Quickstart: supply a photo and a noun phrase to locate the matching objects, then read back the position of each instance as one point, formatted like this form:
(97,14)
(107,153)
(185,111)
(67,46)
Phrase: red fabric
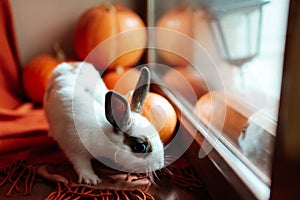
(10,90)
(21,125)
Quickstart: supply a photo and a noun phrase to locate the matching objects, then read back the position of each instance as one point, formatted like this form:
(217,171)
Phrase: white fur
(74,106)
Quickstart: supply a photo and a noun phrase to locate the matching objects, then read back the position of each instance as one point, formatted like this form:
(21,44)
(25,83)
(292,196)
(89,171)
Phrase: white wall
(40,23)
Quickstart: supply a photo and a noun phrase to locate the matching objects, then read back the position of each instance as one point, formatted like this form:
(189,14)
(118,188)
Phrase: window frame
(286,164)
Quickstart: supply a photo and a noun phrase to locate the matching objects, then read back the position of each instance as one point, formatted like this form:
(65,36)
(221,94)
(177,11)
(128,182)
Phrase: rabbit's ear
(117,111)
(141,90)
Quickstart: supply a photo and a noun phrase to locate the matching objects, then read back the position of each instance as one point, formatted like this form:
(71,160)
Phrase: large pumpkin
(36,75)
(102,24)
(172,39)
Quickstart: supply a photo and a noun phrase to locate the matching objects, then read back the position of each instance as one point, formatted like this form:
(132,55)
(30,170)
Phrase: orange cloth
(10,90)
(21,125)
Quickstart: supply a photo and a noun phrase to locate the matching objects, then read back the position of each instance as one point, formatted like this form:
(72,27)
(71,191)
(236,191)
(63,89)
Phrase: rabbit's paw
(88,177)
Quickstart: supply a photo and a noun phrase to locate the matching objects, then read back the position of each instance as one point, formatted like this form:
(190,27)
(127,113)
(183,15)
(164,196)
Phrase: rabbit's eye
(139,147)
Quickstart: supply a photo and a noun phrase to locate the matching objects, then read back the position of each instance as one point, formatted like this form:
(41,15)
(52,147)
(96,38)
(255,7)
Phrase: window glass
(222,60)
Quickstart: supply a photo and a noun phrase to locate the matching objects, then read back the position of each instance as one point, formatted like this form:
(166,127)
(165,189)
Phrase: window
(223,72)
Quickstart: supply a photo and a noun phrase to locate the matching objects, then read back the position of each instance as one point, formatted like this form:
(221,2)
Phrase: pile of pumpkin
(101,23)
(96,25)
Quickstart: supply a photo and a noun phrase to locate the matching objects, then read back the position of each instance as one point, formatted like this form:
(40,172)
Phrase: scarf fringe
(86,192)
(21,172)
(14,174)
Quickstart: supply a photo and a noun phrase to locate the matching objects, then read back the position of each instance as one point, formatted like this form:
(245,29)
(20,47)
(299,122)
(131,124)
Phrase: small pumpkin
(157,109)
(217,109)
(100,23)
(36,74)
(161,114)
(121,80)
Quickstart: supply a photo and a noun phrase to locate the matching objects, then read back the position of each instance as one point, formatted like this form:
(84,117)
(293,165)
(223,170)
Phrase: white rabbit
(90,122)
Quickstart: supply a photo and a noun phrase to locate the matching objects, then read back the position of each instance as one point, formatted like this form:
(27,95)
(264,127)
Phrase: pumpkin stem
(60,54)
(110,7)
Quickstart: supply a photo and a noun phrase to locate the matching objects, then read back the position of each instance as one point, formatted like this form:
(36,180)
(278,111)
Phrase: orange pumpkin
(156,108)
(121,80)
(98,24)
(161,114)
(36,75)
(159,111)
(217,109)
(178,25)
